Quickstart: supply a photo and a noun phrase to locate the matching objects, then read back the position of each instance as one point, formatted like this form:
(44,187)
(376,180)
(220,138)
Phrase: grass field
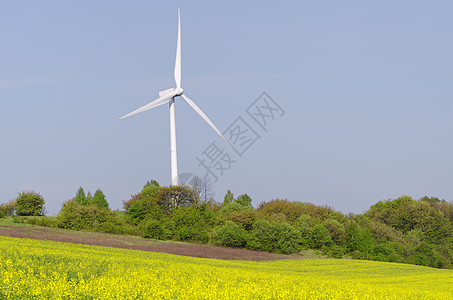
(34,269)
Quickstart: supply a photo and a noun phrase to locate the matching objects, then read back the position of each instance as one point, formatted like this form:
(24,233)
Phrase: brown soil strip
(136,243)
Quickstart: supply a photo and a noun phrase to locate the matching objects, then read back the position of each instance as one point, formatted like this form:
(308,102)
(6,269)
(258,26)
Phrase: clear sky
(365,86)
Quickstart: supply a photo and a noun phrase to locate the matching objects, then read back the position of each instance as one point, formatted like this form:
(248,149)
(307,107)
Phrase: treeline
(399,230)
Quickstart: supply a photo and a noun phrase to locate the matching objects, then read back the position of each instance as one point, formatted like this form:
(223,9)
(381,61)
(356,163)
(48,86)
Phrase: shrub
(99,199)
(172,197)
(274,237)
(2,215)
(142,207)
(190,223)
(320,236)
(29,204)
(244,218)
(293,210)
(359,240)
(154,229)
(41,221)
(81,198)
(303,224)
(230,235)
(75,216)
(244,200)
(232,207)
(8,208)
(336,230)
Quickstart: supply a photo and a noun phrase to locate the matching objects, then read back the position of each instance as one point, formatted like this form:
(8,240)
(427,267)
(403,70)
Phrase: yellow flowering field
(34,269)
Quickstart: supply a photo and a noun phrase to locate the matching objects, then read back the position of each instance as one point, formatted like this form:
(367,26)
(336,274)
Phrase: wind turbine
(168,96)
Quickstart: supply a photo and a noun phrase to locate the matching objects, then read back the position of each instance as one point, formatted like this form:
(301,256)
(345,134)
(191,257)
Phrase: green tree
(359,239)
(150,189)
(336,230)
(155,229)
(230,235)
(151,182)
(190,223)
(229,198)
(8,208)
(89,198)
(274,237)
(99,199)
(320,236)
(81,198)
(244,200)
(29,203)
(175,196)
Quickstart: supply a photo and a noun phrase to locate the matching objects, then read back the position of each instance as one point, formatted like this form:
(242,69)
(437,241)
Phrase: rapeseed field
(34,269)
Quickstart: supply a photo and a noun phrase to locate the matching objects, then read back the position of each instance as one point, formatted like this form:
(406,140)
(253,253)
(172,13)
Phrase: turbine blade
(204,117)
(178,55)
(152,104)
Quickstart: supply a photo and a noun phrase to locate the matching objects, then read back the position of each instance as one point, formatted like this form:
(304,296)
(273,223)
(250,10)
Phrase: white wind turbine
(169,95)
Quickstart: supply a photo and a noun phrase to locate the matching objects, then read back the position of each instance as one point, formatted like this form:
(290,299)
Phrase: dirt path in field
(137,243)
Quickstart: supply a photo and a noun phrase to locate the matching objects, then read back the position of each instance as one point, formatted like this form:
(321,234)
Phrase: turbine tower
(168,96)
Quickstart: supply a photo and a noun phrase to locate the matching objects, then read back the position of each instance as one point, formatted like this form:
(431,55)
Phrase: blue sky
(366,87)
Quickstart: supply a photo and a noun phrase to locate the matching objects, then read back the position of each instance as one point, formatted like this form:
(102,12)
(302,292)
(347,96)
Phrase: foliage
(245,218)
(359,241)
(320,236)
(396,230)
(230,235)
(229,197)
(274,237)
(151,182)
(336,230)
(144,205)
(89,217)
(244,200)
(233,207)
(99,200)
(190,223)
(172,197)
(8,208)
(81,198)
(29,203)
(155,229)
(293,210)
(39,221)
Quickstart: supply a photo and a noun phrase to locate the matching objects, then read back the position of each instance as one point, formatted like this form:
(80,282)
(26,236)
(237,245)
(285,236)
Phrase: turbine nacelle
(174,91)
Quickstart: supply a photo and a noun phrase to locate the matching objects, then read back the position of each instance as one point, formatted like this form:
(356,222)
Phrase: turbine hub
(179,91)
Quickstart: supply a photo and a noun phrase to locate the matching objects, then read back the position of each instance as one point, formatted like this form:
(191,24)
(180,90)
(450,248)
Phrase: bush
(293,210)
(274,237)
(230,235)
(244,218)
(8,208)
(303,224)
(2,215)
(320,236)
(154,229)
(336,230)
(81,198)
(232,207)
(29,204)
(99,199)
(76,216)
(40,221)
(142,207)
(190,223)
